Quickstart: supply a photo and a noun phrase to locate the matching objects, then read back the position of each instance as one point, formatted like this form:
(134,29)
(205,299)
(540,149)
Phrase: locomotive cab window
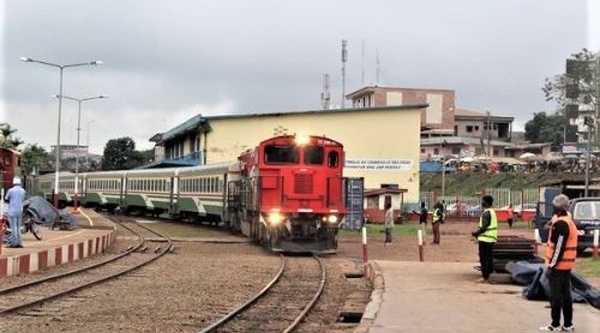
(313,155)
(281,155)
(333,159)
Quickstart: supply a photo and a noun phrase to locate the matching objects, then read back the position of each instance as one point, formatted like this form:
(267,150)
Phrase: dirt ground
(457,245)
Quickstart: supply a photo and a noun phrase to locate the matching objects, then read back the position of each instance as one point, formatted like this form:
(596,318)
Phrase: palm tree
(6,130)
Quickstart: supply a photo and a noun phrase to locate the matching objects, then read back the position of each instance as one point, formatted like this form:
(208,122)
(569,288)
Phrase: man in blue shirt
(15,197)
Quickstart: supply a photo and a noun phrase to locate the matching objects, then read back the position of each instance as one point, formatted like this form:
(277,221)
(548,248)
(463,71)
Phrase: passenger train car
(287,193)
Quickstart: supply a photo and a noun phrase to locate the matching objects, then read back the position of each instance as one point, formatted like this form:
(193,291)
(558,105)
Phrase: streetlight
(87,154)
(78,100)
(589,122)
(60,94)
(444,143)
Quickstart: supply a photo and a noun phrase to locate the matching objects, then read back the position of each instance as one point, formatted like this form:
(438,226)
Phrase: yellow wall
(374,136)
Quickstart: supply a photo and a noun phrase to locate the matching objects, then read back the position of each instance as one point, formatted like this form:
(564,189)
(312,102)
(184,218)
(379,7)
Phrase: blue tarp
(537,286)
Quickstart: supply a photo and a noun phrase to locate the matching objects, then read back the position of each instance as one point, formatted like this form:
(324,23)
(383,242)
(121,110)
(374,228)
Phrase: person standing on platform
(511,215)
(436,221)
(423,220)
(561,251)
(444,211)
(487,236)
(15,197)
(389,223)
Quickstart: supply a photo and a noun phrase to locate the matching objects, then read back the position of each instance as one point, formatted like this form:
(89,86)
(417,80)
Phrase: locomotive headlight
(302,140)
(275,218)
(332,219)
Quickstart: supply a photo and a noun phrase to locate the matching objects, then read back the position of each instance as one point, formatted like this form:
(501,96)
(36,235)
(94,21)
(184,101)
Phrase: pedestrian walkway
(434,297)
(58,246)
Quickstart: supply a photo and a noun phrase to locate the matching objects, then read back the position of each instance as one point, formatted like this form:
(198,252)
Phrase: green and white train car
(101,189)
(200,191)
(195,193)
(148,191)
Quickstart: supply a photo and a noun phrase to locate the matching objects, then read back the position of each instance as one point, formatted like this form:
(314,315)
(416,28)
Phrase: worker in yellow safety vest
(487,236)
(561,251)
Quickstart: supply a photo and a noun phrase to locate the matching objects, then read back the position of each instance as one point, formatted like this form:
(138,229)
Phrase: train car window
(333,159)
(313,155)
(281,155)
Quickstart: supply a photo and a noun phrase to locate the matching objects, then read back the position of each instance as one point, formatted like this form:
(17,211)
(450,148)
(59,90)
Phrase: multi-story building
(437,118)
(475,124)
(70,151)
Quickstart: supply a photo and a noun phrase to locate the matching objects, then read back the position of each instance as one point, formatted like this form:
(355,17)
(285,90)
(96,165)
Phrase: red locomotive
(289,194)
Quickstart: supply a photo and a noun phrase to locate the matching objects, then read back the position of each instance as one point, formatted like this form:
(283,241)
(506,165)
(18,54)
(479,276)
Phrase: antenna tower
(326,94)
(344,59)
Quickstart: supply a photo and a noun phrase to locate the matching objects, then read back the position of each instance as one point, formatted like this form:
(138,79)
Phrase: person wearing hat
(15,197)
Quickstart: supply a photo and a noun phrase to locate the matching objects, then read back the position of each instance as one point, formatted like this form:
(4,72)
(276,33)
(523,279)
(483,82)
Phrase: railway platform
(94,235)
(434,297)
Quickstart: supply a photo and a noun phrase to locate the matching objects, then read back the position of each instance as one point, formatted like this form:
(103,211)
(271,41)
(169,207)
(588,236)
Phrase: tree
(580,77)
(545,128)
(33,158)
(7,141)
(118,154)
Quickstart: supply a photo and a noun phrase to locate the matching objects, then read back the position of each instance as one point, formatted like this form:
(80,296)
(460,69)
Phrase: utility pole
(344,59)
(589,122)
(489,133)
(444,143)
(326,94)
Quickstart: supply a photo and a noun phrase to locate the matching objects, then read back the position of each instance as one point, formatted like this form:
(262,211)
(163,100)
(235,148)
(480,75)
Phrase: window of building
(496,152)
(476,128)
(469,128)
(436,151)
(422,151)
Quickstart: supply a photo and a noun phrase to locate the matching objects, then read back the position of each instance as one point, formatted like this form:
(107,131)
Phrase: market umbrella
(571,157)
(527,156)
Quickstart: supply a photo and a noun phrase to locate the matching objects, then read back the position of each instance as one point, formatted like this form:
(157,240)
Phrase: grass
(376,229)
(588,267)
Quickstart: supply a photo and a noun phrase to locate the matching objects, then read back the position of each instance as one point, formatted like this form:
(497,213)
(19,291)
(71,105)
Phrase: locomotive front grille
(303,184)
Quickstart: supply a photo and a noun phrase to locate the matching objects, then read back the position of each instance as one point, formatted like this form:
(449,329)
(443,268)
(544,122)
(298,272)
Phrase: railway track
(25,297)
(282,304)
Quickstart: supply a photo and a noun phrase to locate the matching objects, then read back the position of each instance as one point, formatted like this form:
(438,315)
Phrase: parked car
(457,209)
(519,209)
(585,213)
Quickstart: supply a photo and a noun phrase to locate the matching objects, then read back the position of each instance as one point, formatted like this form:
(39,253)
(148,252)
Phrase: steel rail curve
(85,269)
(225,319)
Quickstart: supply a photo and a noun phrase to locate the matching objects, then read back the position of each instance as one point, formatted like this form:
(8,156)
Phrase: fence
(470,205)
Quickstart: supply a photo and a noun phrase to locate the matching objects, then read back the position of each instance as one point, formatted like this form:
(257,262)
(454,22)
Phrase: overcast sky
(166,61)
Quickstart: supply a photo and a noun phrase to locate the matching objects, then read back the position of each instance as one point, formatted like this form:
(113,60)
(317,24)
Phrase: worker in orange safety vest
(561,251)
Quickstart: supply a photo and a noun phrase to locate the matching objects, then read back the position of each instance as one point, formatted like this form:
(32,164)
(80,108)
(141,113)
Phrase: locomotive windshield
(290,154)
(278,154)
(313,155)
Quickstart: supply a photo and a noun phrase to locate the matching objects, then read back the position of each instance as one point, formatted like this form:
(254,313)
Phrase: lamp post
(77,154)
(444,143)
(589,122)
(87,154)
(60,94)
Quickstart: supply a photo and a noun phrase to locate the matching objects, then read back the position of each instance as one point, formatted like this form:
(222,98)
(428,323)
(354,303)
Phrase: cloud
(165,62)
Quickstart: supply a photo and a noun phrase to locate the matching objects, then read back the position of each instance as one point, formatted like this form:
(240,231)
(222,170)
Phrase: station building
(381,143)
